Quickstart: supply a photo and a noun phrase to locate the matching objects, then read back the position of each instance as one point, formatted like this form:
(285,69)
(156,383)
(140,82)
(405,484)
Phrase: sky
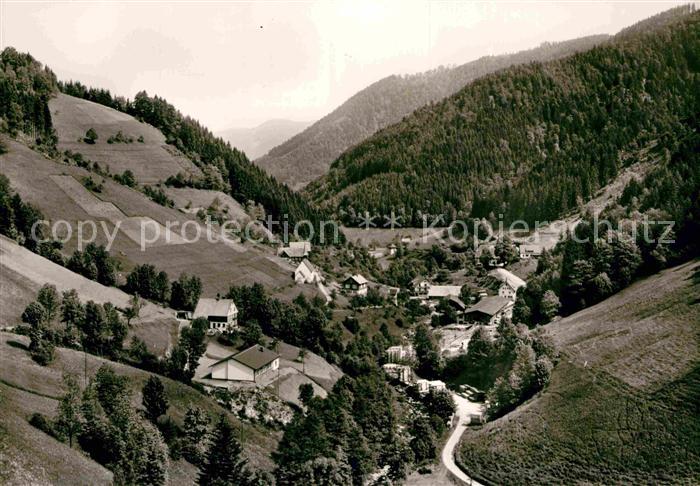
(238,64)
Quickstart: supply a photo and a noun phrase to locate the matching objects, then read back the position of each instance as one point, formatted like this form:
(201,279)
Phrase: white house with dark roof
(222,314)
(307,272)
(355,284)
(510,283)
(420,286)
(248,365)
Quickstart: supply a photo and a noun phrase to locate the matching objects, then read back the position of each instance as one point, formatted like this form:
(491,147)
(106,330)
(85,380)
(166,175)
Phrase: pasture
(151,161)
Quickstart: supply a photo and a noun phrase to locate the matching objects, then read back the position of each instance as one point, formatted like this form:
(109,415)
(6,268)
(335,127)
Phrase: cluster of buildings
(399,367)
(487,310)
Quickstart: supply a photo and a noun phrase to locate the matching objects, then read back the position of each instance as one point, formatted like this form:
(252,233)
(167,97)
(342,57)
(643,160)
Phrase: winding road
(464,409)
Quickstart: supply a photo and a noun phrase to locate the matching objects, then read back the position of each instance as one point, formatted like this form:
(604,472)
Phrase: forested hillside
(309,154)
(531,141)
(25,89)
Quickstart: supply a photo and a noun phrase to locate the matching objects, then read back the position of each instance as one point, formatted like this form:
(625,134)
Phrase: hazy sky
(232,64)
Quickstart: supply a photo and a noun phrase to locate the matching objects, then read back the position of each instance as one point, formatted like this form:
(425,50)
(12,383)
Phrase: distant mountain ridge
(308,155)
(257,141)
(531,141)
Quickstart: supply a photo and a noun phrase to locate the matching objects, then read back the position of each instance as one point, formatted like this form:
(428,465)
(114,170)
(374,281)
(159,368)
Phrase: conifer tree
(224,464)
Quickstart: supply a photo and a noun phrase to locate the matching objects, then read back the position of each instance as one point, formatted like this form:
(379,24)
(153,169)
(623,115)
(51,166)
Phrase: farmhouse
(420,286)
(222,314)
(247,365)
(307,272)
(355,284)
(529,251)
(511,283)
(489,310)
(443,291)
(296,251)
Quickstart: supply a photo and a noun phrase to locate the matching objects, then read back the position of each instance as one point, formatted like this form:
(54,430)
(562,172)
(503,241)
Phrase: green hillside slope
(26,387)
(531,141)
(622,405)
(55,189)
(146,154)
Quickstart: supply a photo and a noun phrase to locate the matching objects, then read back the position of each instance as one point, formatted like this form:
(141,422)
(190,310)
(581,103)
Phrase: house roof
(509,278)
(255,357)
(444,290)
(489,305)
(417,280)
(213,307)
(457,301)
(307,268)
(359,279)
(304,245)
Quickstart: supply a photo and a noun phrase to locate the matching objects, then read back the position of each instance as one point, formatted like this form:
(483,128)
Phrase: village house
(295,251)
(355,284)
(403,373)
(248,365)
(529,251)
(420,286)
(392,249)
(489,310)
(397,354)
(222,314)
(307,272)
(510,283)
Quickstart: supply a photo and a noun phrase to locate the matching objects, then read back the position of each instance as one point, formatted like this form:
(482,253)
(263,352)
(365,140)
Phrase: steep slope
(56,190)
(621,406)
(530,141)
(23,274)
(146,155)
(223,166)
(309,154)
(257,141)
(26,387)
